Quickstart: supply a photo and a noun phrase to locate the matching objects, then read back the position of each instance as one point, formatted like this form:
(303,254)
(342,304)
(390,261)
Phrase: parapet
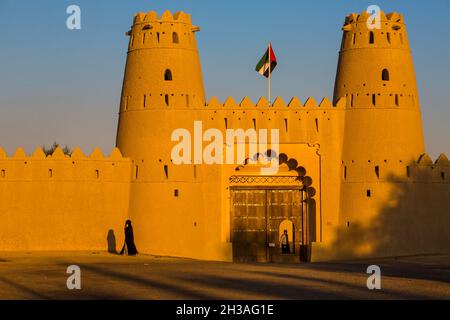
(167,16)
(58,154)
(62,167)
(393,18)
(278,103)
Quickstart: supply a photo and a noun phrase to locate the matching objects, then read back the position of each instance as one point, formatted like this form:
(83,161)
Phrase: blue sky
(63,85)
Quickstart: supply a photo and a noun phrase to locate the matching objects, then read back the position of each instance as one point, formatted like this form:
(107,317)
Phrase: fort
(353,181)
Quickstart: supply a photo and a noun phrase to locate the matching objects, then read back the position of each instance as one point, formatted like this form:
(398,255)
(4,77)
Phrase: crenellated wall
(63,202)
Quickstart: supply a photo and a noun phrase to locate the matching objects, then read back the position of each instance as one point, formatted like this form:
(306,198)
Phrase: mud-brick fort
(354,179)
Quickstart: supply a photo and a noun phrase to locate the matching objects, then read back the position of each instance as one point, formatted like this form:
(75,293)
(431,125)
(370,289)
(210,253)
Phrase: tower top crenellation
(167,16)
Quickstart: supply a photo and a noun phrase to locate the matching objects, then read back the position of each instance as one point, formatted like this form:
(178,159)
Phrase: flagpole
(270,67)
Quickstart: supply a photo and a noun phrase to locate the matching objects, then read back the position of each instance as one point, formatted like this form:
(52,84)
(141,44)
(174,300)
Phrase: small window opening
(166,171)
(137,172)
(175,38)
(50,173)
(143,38)
(408,171)
(97,174)
(126,103)
(371,37)
(368,193)
(176,192)
(388,35)
(166,100)
(226,123)
(374,101)
(187,100)
(254,123)
(351,100)
(396,100)
(286,124)
(345,172)
(317,124)
(168,75)
(385,75)
(157,36)
(3,173)
(377,171)
(443,175)
(354,38)
(145,100)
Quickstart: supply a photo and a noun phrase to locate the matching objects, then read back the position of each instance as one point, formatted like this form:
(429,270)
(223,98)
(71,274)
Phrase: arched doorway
(264,206)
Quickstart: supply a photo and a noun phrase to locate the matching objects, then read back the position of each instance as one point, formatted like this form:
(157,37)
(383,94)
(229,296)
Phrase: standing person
(129,248)
(284,241)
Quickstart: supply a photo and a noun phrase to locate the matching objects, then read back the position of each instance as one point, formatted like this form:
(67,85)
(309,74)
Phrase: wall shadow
(410,216)
(111,240)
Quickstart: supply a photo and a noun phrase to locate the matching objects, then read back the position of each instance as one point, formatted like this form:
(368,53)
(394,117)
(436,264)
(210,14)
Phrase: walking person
(129,248)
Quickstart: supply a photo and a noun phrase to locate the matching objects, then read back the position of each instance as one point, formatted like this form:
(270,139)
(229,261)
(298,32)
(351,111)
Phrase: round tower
(382,130)
(162,71)
(376,74)
(162,89)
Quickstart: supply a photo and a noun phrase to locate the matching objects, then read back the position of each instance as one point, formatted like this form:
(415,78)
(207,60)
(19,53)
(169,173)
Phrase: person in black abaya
(129,248)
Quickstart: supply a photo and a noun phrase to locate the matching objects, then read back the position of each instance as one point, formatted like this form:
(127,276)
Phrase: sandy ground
(106,276)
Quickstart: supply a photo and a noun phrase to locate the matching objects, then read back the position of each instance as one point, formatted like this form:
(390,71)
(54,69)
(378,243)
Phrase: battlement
(278,103)
(421,170)
(167,16)
(391,32)
(390,18)
(60,166)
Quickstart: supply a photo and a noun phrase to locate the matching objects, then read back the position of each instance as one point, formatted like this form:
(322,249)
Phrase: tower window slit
(50,173)
(97,174)
(317,124)
(345,173)
(443,175)
(137,172)
(408,172)
(166,99)
(374,101)
(187,100)
(166,171)
(254,123)
(157,36)
(3,173)
(354,39)
(385,75)
(286,124)
(377,171)
(143,38)
(126,103)
(226,123)
(175,38)
(396,100)
(368,193)
(371,37)
(351,100)
(388,35)
(145,100)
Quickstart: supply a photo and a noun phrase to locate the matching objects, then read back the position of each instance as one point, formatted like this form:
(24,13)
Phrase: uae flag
(267,62)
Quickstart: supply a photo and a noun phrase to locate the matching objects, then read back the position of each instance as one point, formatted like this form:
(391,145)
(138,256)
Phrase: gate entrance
(259,218)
